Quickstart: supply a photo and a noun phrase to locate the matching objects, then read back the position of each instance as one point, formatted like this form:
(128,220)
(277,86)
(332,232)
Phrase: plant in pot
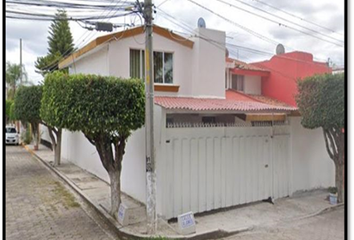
(333,195)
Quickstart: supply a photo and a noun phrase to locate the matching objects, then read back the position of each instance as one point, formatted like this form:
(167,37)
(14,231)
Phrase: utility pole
(21,61)
(149,123)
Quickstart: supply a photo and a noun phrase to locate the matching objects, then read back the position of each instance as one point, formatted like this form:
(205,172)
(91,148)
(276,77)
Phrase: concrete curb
(118,229)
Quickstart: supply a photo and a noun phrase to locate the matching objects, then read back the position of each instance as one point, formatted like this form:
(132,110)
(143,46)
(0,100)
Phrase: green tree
(27,105)
(53,108)
(321,104)
(8,108)
(13,77)
(106,110)
(60,43)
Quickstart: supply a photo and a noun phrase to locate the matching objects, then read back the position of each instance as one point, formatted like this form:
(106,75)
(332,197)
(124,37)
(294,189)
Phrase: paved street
(327,226)
(39,206)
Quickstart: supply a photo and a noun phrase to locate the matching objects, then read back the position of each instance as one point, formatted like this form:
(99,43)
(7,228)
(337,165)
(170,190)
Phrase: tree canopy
(321,104)
(105,109)
(60,42)
(321,101)
(27,103)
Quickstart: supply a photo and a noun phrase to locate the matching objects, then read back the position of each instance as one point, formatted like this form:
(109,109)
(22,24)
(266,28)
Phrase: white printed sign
(186,223)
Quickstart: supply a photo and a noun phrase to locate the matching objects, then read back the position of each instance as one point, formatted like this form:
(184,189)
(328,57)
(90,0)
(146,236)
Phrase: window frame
(142,66)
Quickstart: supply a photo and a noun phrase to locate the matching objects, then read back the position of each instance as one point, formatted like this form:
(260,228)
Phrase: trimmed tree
(53,109)
(321,104)
(27,104)
(106,110)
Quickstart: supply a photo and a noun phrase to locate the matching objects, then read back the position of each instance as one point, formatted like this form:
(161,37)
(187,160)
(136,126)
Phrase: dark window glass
(158,67)
(135,63)
(11,130)
(168,67)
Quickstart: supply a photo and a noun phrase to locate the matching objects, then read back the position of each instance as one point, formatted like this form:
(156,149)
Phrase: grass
(68,198)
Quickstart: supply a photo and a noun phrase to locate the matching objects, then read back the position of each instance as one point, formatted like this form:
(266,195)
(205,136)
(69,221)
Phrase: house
(220,141)
(285,69)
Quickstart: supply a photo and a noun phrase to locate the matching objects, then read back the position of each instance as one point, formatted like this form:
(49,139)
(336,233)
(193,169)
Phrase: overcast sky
(326,13)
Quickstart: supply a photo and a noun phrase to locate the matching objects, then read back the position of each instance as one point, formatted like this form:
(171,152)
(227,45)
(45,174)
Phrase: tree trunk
(339,181)
(115,192)
(35,133)
(57,148)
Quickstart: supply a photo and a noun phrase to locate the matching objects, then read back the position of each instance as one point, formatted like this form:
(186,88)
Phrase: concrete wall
(311,166)
(182,62)
(209,64)
(253,85)
(43,130)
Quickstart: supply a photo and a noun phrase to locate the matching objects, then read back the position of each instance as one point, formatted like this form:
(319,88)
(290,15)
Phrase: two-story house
(219,142)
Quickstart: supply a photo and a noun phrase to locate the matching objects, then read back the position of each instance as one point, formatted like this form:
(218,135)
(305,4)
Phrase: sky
(182,16)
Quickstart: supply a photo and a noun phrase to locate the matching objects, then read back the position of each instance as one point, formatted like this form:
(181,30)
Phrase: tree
(27,104)
(60,43)
(52,106)
(106,110)
(13,77)
(321,104)
(8,109)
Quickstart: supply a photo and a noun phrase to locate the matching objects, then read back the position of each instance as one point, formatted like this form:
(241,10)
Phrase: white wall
(95,63)
(311,166)
(209,64)
(182,62)
(252,85)
(43,130)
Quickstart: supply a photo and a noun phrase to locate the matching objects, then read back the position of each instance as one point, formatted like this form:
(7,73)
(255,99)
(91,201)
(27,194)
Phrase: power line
(186,27)
(276,16)
(66,53)
(243,27)
(302,19)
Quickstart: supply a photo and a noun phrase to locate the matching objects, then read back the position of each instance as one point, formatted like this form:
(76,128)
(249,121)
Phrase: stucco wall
(209,64)
(43,131)
(311,166)
(288,67)
(253,85)
(95,63)
(182,62)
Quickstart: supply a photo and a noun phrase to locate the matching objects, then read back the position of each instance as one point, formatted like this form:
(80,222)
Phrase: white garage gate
(217,167)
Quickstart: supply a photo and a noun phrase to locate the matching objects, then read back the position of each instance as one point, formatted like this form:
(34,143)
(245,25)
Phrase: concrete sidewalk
(217,224)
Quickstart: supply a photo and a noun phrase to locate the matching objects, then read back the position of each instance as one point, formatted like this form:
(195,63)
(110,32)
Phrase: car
(11,136)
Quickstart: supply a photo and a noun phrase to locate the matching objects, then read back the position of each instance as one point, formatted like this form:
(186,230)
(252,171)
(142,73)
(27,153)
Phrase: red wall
(285,69)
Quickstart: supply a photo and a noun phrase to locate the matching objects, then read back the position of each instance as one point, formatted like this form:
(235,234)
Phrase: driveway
(39,206)
(326,226)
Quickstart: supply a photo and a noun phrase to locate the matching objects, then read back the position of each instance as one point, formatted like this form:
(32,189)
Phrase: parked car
(11,136)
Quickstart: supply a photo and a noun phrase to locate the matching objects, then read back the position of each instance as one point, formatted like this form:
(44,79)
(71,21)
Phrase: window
(237,82)
(137,66)
(208,119)
(163,66)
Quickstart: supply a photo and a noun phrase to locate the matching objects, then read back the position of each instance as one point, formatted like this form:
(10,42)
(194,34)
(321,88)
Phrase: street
(39,206)
(326,226)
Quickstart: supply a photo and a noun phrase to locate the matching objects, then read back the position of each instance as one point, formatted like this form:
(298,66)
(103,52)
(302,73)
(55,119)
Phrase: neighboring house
(285,69)
(337,70)
(219,141)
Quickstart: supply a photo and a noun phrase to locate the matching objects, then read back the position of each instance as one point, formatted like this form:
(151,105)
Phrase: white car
(12,136)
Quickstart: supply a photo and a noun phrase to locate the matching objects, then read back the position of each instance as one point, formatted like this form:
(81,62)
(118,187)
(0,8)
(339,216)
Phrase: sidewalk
(218,224)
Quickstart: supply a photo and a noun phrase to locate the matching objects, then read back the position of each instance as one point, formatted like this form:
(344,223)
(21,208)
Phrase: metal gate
(210,168)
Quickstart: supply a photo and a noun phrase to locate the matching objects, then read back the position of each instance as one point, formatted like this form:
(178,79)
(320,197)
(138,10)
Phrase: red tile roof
(211,104)
(245,66)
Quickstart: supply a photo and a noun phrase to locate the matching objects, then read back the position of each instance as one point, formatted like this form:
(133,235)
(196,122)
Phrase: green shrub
(26,136)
